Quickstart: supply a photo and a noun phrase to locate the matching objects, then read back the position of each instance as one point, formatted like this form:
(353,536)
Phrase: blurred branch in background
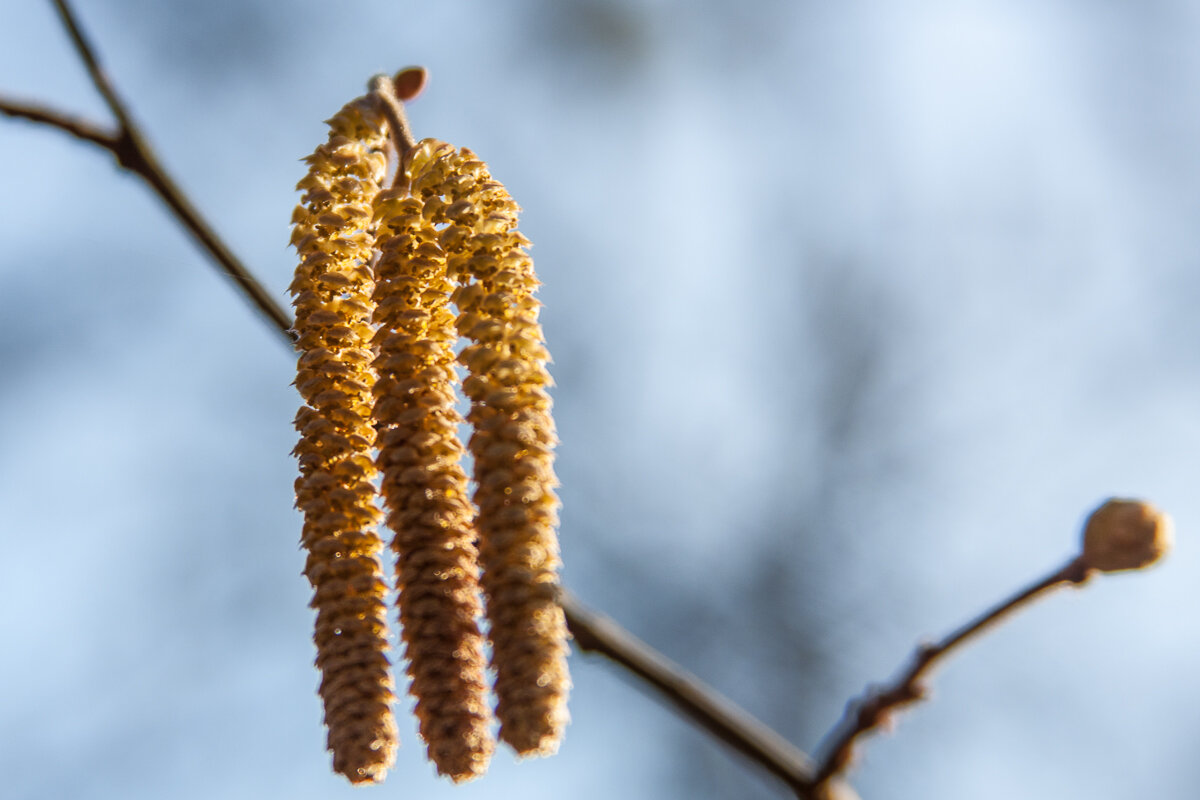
(720,717)
(852,361)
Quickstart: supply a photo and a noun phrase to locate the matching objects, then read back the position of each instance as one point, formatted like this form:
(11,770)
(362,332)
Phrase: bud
(1126,534)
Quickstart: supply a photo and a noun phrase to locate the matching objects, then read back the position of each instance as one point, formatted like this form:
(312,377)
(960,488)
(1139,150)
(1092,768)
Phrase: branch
(88,54)
(597,633)
(873,709)
(132,152)
(76,126)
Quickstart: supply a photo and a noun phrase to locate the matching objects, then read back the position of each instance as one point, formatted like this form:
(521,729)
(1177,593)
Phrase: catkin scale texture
(426,489)
(513,438)
(332,297)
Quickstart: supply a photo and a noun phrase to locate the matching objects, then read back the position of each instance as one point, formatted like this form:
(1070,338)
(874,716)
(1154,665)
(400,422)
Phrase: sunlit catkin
(332,296)
(425,487)
(512,443)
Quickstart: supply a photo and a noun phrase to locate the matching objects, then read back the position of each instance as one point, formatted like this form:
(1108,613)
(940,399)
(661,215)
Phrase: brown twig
(77,127)
(129,147)
(88,54)
(874,708)
(597,633)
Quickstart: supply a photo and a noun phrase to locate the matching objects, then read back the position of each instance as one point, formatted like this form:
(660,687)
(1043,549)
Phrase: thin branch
(873,709)
(597,633)
(88,54)
(147,166)
(76,126)
(132,152)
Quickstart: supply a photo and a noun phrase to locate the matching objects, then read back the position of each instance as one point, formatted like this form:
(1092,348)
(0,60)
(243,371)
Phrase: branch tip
(1124,535)
(91,61)
(876,707)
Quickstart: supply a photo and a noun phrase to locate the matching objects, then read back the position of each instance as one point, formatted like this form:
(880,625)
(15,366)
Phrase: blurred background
(857,310)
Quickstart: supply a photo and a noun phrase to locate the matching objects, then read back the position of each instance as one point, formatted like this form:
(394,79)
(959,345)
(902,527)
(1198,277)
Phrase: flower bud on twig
(1126,534)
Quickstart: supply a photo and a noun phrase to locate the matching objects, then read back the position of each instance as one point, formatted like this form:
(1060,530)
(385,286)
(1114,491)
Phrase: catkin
(425,487)
(332,297)
(512,443)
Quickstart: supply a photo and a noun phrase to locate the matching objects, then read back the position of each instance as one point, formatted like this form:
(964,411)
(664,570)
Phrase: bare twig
(133,153)
(88,54)
(597,633)
(77,127)
(874,708)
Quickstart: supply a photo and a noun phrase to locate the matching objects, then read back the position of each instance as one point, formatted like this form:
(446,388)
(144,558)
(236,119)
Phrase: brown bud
(1126,534)
(410,82)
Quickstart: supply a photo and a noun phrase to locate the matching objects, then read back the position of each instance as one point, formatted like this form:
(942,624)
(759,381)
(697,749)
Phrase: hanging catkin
(512,443)
(332,297)
(379,272)
(425,487)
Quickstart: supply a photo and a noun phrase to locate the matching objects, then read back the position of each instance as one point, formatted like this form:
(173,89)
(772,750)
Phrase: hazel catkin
(379,275)
(513,439)
(426,493)
(332,297)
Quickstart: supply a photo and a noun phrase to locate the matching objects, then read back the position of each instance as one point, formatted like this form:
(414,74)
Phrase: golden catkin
(513,440)
(332,296)
(425,487)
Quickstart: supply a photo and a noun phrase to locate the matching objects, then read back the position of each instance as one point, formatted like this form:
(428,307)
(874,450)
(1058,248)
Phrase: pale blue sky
(901,292)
